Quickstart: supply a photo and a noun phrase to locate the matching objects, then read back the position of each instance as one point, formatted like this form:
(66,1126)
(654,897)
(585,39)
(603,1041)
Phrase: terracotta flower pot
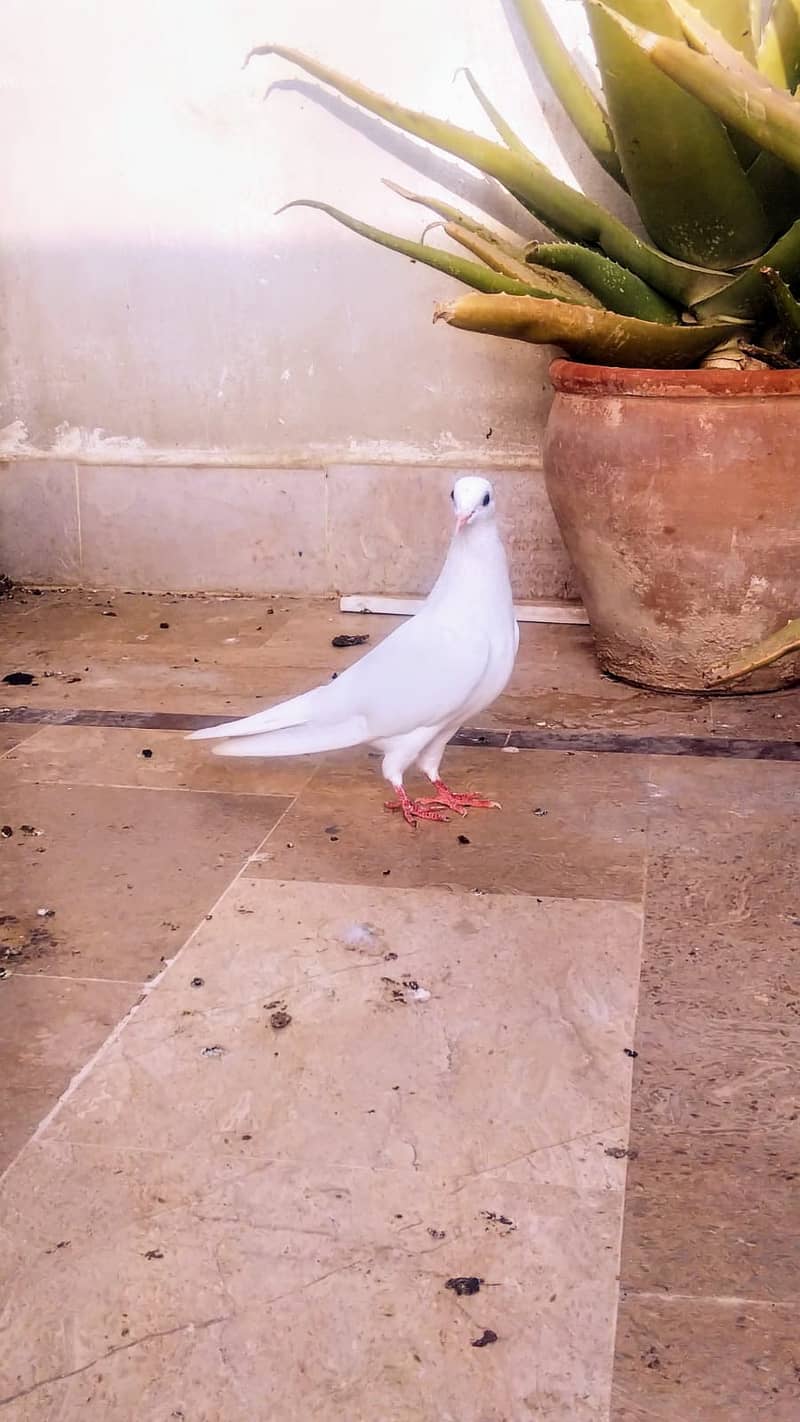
(678,497)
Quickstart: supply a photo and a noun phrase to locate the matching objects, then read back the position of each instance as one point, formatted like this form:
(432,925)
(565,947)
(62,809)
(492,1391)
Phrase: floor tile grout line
(41,730)
(182,789)
(723,1300)
(617,1297)
(140,983)
(116,1032)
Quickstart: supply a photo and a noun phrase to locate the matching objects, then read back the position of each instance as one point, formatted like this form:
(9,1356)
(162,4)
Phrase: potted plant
(671,447)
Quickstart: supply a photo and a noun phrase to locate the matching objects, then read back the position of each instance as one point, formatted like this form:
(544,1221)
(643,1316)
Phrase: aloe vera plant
(699,124)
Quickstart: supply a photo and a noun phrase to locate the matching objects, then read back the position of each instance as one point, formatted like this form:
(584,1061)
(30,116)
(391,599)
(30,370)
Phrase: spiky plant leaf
(787,309)
(747,297)
(511,139)
(734,20)
(778,189)
(558,284)
(507,241)
(561,208)
(682,171)
(740,96)
(578,100)
(473,274)
(595,336)
(779,51)
(617,288)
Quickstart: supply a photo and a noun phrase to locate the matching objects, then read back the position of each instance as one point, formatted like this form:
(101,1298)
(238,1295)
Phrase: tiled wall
(344,529)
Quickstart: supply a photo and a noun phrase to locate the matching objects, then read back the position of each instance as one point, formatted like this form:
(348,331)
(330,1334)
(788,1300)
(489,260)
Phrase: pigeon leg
(414,810)
(460,801)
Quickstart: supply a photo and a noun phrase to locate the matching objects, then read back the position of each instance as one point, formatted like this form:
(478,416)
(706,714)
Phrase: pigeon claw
(414,810)
(461,802)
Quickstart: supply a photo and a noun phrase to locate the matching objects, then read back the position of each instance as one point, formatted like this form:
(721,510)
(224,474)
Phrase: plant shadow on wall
(468,186)
(698,126)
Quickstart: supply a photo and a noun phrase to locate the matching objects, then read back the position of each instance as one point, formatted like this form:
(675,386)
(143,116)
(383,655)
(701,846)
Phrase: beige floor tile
(127,873)
(305,1193)
(11,736)
(304,637)
(554,1042)
(60,630)
(48,1030)
(329,1287)
(101,755)
(571,825)
(215,689)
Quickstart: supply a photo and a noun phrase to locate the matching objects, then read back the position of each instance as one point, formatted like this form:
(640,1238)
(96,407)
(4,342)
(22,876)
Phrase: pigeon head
(473,501)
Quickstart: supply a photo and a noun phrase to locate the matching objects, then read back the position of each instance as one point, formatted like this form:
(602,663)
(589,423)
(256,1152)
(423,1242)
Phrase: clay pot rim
(569,377)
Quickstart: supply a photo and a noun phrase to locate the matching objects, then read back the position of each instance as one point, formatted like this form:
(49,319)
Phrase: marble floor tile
(49,1028)
(112,756)
(571,825)
(124,875)
(704,1360)
(274,1221)
(500,1027)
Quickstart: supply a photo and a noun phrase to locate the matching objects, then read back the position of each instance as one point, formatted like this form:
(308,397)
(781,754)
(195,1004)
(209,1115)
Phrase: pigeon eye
(453,495)
(486,499)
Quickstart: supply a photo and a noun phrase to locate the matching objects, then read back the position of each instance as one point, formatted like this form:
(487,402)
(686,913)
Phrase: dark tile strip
(618,743)
(604,742)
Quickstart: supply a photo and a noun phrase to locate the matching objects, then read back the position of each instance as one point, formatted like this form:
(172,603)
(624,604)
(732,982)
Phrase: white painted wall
(151,302)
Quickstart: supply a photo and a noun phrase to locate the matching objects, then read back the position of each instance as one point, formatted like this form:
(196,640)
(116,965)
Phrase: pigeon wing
(422,674)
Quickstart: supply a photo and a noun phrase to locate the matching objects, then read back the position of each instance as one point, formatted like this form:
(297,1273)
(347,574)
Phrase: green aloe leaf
(600,337)
(733,19)
(474,274)
(778,190)
(556,284)
(747,297)
(561,208)
(737,93)
(569,86)
(694,24)
(787,309)
(737,21)
(779,51)
(729,23)
(506,132)
(507,241)
(682,171)
(617,288)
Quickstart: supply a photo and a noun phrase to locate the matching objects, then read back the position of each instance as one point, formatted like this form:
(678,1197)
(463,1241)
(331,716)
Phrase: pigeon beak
(461,520)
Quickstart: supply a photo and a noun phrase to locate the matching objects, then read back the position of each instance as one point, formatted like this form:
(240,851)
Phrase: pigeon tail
(307,739)
(295,712)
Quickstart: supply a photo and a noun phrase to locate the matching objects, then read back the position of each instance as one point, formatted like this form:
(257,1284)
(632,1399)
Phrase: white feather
(410,693)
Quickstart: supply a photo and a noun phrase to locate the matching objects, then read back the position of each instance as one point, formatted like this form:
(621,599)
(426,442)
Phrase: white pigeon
(408,695)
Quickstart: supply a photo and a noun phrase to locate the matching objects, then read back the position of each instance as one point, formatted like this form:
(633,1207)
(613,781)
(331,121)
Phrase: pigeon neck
(476,548)
(475,537)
